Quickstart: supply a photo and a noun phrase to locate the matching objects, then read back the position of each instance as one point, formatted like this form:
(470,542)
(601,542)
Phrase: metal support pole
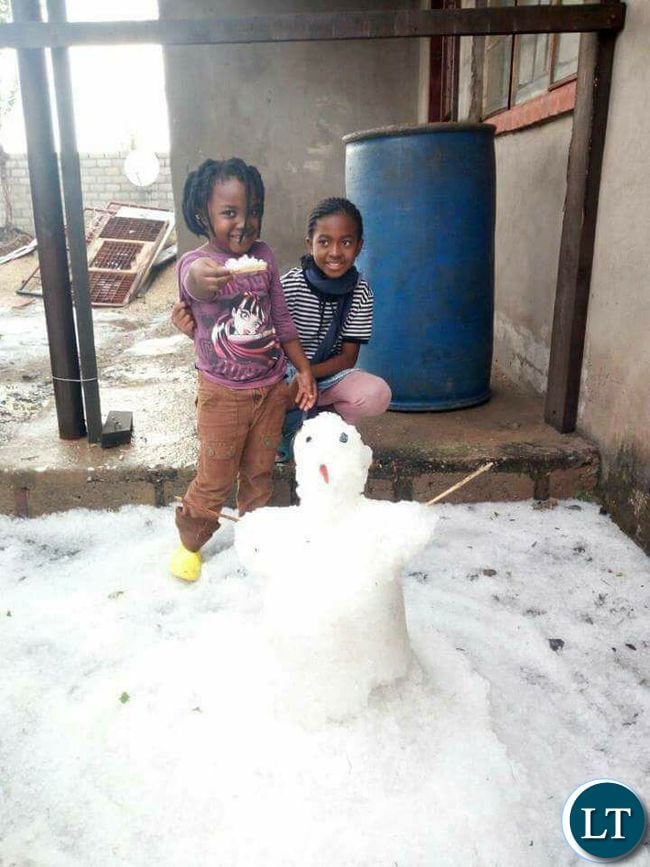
(73,198)
(50,232)
(579,230)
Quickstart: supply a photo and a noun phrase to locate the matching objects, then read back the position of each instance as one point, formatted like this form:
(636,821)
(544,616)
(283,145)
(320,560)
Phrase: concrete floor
(147,368)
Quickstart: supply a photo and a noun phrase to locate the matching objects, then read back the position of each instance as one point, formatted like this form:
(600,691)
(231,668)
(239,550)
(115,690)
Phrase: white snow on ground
(137,727)
(157,346)
(22,335)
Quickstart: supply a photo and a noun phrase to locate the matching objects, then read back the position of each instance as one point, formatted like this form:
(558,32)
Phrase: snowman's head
(331,462)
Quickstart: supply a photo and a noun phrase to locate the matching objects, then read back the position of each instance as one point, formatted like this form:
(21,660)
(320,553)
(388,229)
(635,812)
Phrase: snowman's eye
(307,439)
(343,438)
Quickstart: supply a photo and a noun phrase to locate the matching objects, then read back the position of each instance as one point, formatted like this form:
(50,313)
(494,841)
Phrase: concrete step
(416,456)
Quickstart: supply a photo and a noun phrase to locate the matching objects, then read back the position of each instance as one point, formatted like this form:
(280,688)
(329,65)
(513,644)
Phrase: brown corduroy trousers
(239,431)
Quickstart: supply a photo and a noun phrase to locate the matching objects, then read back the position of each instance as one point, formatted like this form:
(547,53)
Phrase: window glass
(513,74)
(496,80)
(565,62)
(496,83)
(532,53)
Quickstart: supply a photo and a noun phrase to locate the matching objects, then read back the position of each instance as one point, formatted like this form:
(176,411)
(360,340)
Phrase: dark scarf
(337,289)
(333,286)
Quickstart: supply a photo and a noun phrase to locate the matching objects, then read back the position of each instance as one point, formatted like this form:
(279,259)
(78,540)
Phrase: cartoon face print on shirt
(248,317)
(242,332)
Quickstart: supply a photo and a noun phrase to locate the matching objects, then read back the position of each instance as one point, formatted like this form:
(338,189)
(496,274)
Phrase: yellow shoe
(185,564)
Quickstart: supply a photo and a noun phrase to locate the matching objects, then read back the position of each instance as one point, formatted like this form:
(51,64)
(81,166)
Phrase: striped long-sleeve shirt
(312,312)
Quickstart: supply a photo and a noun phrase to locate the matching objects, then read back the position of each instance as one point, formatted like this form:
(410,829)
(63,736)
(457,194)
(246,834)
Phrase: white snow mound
(334,610)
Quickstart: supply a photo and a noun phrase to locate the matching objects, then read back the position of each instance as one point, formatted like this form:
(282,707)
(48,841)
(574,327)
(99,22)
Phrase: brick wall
(102,179)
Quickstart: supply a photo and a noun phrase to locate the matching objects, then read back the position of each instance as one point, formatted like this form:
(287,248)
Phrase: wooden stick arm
(460,484)
(214,514)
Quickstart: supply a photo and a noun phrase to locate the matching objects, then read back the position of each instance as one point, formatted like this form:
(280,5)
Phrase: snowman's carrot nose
(323,471)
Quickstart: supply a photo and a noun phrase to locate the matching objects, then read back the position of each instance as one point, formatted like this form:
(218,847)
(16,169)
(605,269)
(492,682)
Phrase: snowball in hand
(334,611)
(246,265)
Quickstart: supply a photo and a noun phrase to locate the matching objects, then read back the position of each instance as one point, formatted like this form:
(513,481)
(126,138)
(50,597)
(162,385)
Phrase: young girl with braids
(331,307)
(242,336)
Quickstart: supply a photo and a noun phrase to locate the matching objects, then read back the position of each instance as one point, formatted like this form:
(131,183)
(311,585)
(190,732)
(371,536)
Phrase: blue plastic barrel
(427,196)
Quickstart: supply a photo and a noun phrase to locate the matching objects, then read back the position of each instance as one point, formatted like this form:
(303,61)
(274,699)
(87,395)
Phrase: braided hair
(331,206)
(200,183)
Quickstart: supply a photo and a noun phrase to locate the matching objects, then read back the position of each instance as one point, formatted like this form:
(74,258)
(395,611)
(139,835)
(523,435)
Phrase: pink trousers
(358,395)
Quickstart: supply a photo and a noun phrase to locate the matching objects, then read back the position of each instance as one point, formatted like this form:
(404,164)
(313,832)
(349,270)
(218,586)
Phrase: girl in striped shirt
(331,307)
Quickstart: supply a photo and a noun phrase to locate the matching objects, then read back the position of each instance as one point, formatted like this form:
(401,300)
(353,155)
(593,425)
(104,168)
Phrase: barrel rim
(419,129)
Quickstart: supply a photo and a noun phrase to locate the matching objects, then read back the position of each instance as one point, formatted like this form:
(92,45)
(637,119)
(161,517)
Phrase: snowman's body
(334,609)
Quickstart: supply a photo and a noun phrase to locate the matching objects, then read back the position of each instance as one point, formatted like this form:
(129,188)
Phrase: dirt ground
(11,239)
(25,373)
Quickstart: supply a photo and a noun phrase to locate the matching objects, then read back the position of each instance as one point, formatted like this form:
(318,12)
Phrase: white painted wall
(615,397)
(614,407)
(285,107)
(531,184)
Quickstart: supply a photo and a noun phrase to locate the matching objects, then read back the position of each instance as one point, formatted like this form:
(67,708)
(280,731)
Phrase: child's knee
(383,395)
(377,396)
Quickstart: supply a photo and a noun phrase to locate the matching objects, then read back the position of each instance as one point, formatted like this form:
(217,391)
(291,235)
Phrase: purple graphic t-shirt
(238,334)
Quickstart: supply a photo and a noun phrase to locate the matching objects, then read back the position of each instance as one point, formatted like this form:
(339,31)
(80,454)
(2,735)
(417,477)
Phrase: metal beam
(74,214)
(319,26)
(50,233)
(579,230)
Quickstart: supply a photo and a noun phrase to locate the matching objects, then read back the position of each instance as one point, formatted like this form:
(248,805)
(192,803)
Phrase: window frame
(557,99)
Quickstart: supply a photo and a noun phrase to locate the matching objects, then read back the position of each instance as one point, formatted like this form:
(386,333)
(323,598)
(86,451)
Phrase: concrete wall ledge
(530,473)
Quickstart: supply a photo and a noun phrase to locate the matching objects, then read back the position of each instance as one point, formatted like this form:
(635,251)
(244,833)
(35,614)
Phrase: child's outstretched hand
(182,318)
(307,390)
(205,279)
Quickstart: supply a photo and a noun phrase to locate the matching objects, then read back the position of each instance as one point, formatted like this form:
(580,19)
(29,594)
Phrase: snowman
(333,614)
